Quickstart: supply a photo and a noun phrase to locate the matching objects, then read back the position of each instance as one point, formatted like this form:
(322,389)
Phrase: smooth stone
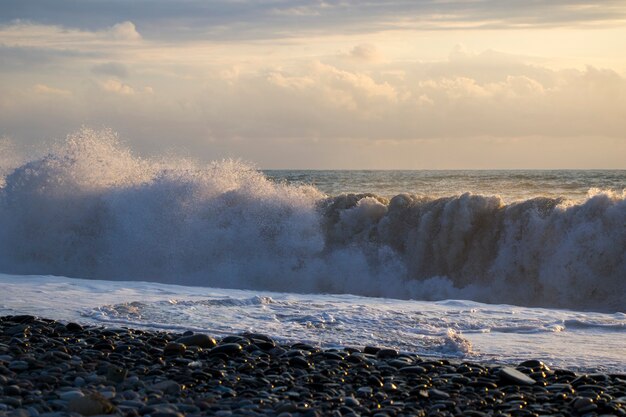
(390,386)
(79,381)
(174,348)
(116,374)
(20,412)
(413,369)
(200,340)
(374,381)
(351,402)
(386,353)
(167,414)
(18,366)
(11,401)
(299,362)
(225,391)
(584,404)
(108,393)
(70,395)
(91,405)
(371,350)
(365,391)
(167,387)
(15,330)
(22,318)
(438,394)
(515,376)
(74,327)
(132,403)
(534,363)
(13,390)
(227,349)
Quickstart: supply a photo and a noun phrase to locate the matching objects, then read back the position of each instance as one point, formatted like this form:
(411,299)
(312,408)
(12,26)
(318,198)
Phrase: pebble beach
(52,369)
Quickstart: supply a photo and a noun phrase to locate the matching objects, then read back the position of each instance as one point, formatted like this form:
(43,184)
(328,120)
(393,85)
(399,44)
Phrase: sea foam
(90,208)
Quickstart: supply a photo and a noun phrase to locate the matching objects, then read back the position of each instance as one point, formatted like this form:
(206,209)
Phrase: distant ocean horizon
(511,184)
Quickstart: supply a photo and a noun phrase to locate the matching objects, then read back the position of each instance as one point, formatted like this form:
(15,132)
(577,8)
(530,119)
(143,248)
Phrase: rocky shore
(53,369)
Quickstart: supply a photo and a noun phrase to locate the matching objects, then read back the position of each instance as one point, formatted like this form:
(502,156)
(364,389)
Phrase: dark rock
(13,390)
(174,349)
(299,362)
(73,327)
(386,353)
(228,349)
(516,377)
(200,340)
(23,319)
(91,405)
(168,387)
(116,374)
(413,370)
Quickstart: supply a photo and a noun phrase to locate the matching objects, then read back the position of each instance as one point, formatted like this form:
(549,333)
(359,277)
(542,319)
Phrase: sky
(391,84)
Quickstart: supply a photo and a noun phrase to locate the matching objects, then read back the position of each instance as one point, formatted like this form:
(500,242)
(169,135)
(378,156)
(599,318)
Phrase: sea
(489,266)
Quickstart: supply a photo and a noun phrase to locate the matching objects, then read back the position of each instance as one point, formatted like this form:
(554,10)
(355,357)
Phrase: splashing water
(91,209)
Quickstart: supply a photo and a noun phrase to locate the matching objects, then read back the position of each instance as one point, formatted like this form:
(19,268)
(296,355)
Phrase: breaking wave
(91,209)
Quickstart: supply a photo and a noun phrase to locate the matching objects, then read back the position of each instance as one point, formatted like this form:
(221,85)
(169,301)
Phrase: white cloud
(125,31)
(366,52)
(117,87)
(47,90)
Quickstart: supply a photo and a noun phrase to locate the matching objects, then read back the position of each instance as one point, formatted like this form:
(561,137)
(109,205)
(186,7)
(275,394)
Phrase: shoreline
(52,369)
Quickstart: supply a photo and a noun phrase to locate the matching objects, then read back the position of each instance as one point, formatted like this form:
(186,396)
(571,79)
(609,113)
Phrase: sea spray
(90,208)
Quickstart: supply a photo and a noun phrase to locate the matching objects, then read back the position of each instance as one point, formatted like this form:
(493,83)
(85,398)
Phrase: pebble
(200,340)
(18,366)
(91,405)
(72,370)
(515,376)
(174,348)
(168,387)
(228,349)
(70,395)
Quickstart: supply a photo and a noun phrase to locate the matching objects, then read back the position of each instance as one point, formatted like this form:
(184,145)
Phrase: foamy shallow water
(459,329)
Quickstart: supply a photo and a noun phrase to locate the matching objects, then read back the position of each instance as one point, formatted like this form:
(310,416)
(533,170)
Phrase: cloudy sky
(412,84)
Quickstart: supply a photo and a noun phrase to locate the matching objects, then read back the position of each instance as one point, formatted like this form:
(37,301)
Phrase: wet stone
(228,349)
(252,375)
(299,362)
(91,405)
(386,353)
(12,390)
(174,349)
(516,377)
(200,340)
(73,327)
(116,374)
(18,366)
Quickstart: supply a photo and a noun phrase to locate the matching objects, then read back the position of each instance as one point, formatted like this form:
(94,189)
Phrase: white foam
(91,209)
(455,328)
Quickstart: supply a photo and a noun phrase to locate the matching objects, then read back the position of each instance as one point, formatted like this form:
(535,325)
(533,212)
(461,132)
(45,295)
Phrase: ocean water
(487,265)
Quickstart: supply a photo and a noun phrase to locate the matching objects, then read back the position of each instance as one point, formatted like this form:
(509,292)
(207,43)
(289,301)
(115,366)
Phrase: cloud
(47,90)
(125,31)
(366,52)
(223,19)
(489,97)
(111,68)
(117,87)
(24,59)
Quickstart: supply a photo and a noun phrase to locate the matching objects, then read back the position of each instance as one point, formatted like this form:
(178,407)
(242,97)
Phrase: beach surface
(52,369)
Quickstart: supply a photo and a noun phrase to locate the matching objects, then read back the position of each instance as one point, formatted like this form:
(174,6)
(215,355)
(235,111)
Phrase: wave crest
(92,209)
